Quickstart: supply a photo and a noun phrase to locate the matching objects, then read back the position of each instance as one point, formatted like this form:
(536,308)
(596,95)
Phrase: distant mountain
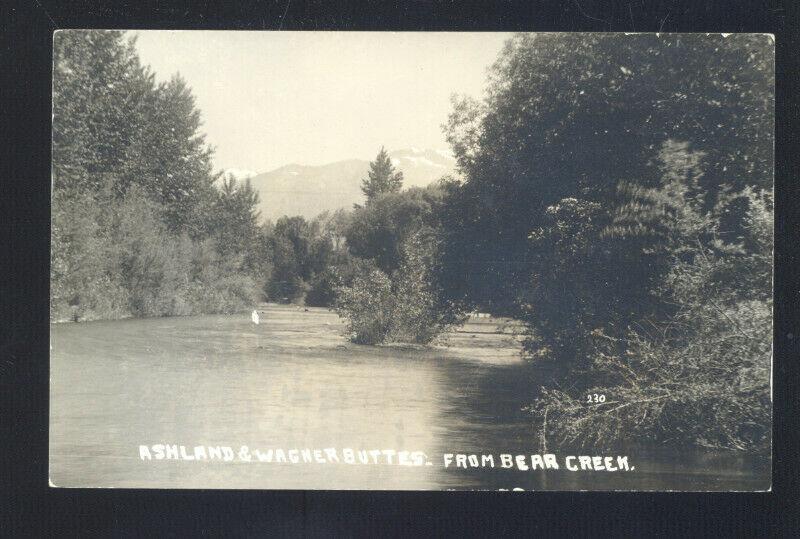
(240,173)
(421,167)
(310,190)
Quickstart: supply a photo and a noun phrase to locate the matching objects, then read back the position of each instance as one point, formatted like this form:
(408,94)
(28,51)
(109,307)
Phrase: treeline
(614,194)
(141,225)
(395,238)
(617,197)
(374,263)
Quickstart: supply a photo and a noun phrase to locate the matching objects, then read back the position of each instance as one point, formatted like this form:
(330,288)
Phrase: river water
(294,382)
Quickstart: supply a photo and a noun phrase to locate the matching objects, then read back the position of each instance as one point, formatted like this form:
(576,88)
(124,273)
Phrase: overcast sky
(273,98)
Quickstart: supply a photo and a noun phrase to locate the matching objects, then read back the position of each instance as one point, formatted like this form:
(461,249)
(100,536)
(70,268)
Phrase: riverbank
(294,381)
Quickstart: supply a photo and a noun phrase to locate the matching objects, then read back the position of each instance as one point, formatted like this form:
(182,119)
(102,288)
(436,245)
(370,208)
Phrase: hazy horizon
(269,99)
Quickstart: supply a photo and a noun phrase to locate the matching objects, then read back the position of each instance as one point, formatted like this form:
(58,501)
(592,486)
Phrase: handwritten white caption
(330,455)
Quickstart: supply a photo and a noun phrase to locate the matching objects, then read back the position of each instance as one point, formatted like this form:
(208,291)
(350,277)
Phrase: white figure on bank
(254,317)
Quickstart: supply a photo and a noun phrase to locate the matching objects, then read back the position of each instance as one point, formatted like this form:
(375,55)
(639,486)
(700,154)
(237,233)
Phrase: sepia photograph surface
(411,260)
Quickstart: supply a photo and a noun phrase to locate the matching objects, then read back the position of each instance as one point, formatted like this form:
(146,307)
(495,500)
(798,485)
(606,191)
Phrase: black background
(29,508)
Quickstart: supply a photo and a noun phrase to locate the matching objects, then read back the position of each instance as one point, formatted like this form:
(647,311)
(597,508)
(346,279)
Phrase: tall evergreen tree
(381,177)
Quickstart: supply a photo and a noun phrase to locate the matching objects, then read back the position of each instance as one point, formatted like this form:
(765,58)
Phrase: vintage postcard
(411,261)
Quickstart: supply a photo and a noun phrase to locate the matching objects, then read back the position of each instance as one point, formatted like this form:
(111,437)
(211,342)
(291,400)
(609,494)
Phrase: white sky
(273,98)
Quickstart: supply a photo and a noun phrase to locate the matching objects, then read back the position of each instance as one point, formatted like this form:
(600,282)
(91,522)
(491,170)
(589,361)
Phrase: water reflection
(294,382)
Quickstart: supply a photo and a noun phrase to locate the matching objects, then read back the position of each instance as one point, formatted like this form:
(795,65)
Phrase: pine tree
(382,177)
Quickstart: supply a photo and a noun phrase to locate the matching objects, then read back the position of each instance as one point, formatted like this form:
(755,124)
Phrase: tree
(405,306)
(133,197)
(381,177)
(113,125)
(99,89)
(83,283)
(700,376)
(333,225)
(234,222)
(300,251)
(332,264)
(152,264)
(100,93)
(566,120)
(387,292)
(377,231)
(420,314)
(170,159)
(368,306)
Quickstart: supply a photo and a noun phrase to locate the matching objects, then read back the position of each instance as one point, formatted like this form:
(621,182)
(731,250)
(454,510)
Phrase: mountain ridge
(308,190)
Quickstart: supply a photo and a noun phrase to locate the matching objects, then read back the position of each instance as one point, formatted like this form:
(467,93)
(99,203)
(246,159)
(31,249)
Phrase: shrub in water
(368,305)
(403,308)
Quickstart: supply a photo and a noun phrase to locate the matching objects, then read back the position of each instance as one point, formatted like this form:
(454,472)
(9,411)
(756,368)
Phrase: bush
(368,306)
(117,258)
(216,284)
(83,284)
(403,308)
(710,389)
(151,263)
(419,314)
(702,375)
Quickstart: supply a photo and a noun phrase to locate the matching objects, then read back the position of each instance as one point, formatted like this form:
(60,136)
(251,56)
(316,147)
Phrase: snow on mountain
(309,190)
(240,173)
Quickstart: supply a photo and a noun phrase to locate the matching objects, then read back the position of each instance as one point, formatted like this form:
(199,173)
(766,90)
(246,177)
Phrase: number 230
(594,397)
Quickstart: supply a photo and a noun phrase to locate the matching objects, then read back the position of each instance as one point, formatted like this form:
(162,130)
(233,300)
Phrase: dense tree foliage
(113,125)
(404,305)
(389,293)
(234,224)
(138,226)
(701,375)
(292,243)
(100,94)
(378,230)
(614,197)
(567,119)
